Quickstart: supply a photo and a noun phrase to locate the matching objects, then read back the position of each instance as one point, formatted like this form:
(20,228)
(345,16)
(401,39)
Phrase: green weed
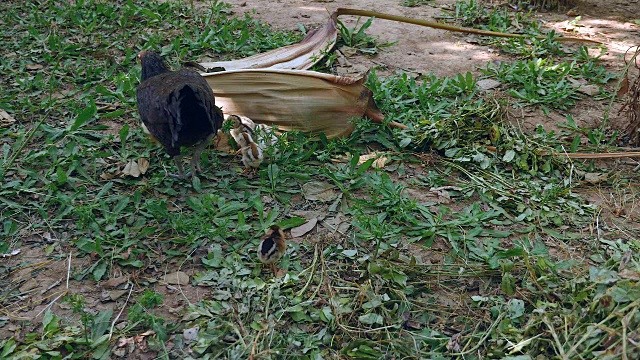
(357,38)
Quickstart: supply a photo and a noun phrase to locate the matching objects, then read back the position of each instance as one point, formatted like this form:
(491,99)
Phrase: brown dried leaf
(624,88)
(113,295)
(379,163)
(34,67)
(307,101)
(177,278)
(221,142)
(303,229)
(487,84)
(131,169)
(115,282)
(629,274)
(319,191)
(107,176)
(302,55)
(590,90)
(143,165)
(5,119)
(595,178)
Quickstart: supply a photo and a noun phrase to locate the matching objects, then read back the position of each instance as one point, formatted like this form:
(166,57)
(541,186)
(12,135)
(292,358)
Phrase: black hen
(177,108)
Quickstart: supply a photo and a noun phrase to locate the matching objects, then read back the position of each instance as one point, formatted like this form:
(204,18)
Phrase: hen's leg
(195,160)
(178,160)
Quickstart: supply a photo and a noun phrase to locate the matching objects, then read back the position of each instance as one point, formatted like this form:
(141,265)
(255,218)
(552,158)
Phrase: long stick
(626,154)
(433,24)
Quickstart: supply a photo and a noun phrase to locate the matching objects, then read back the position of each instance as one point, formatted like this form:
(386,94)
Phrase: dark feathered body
(177,107)
(272,246)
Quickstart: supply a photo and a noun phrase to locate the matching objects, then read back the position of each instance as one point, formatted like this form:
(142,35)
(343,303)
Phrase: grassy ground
(468,243)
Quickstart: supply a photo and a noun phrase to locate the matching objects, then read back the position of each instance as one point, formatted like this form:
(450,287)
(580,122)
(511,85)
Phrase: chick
(272,247)
(240,125)
(252,154)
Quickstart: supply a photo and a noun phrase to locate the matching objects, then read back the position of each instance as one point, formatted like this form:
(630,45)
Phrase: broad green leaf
(508,155)
(508,284)
(291,222)
(370,319)
(99,270)
(84,116)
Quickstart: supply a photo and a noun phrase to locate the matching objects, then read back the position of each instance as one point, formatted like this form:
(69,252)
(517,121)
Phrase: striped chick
(272,247)
(240,125)
(252,154)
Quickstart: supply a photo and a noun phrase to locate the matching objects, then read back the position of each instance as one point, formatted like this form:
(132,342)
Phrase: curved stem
(433,24)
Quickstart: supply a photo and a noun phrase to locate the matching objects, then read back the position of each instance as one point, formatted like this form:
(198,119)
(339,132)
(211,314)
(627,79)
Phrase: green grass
(452,250)
(477,14)
(414,3)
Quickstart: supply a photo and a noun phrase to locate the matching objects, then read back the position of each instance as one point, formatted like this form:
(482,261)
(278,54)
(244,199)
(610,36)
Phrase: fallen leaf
(487,84)
(5,119)
(624,88)
(337,223)
(221,142)
(113,295)
(115,282)
(319,191)
(107,176)
(379,163)
(629,274)
(191,334)
(625,259)
(34,67)
(303,229)
(453,344)
(131,169)
(330,101)
(348,51)
(302,55)
(595,178)
(177,278)
(29,285)
(590,90)
(137,339)
(143,165)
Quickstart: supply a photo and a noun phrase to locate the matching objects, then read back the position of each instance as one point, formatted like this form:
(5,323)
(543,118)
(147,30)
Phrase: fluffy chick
(252,155)
(272,247)
(240,125)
